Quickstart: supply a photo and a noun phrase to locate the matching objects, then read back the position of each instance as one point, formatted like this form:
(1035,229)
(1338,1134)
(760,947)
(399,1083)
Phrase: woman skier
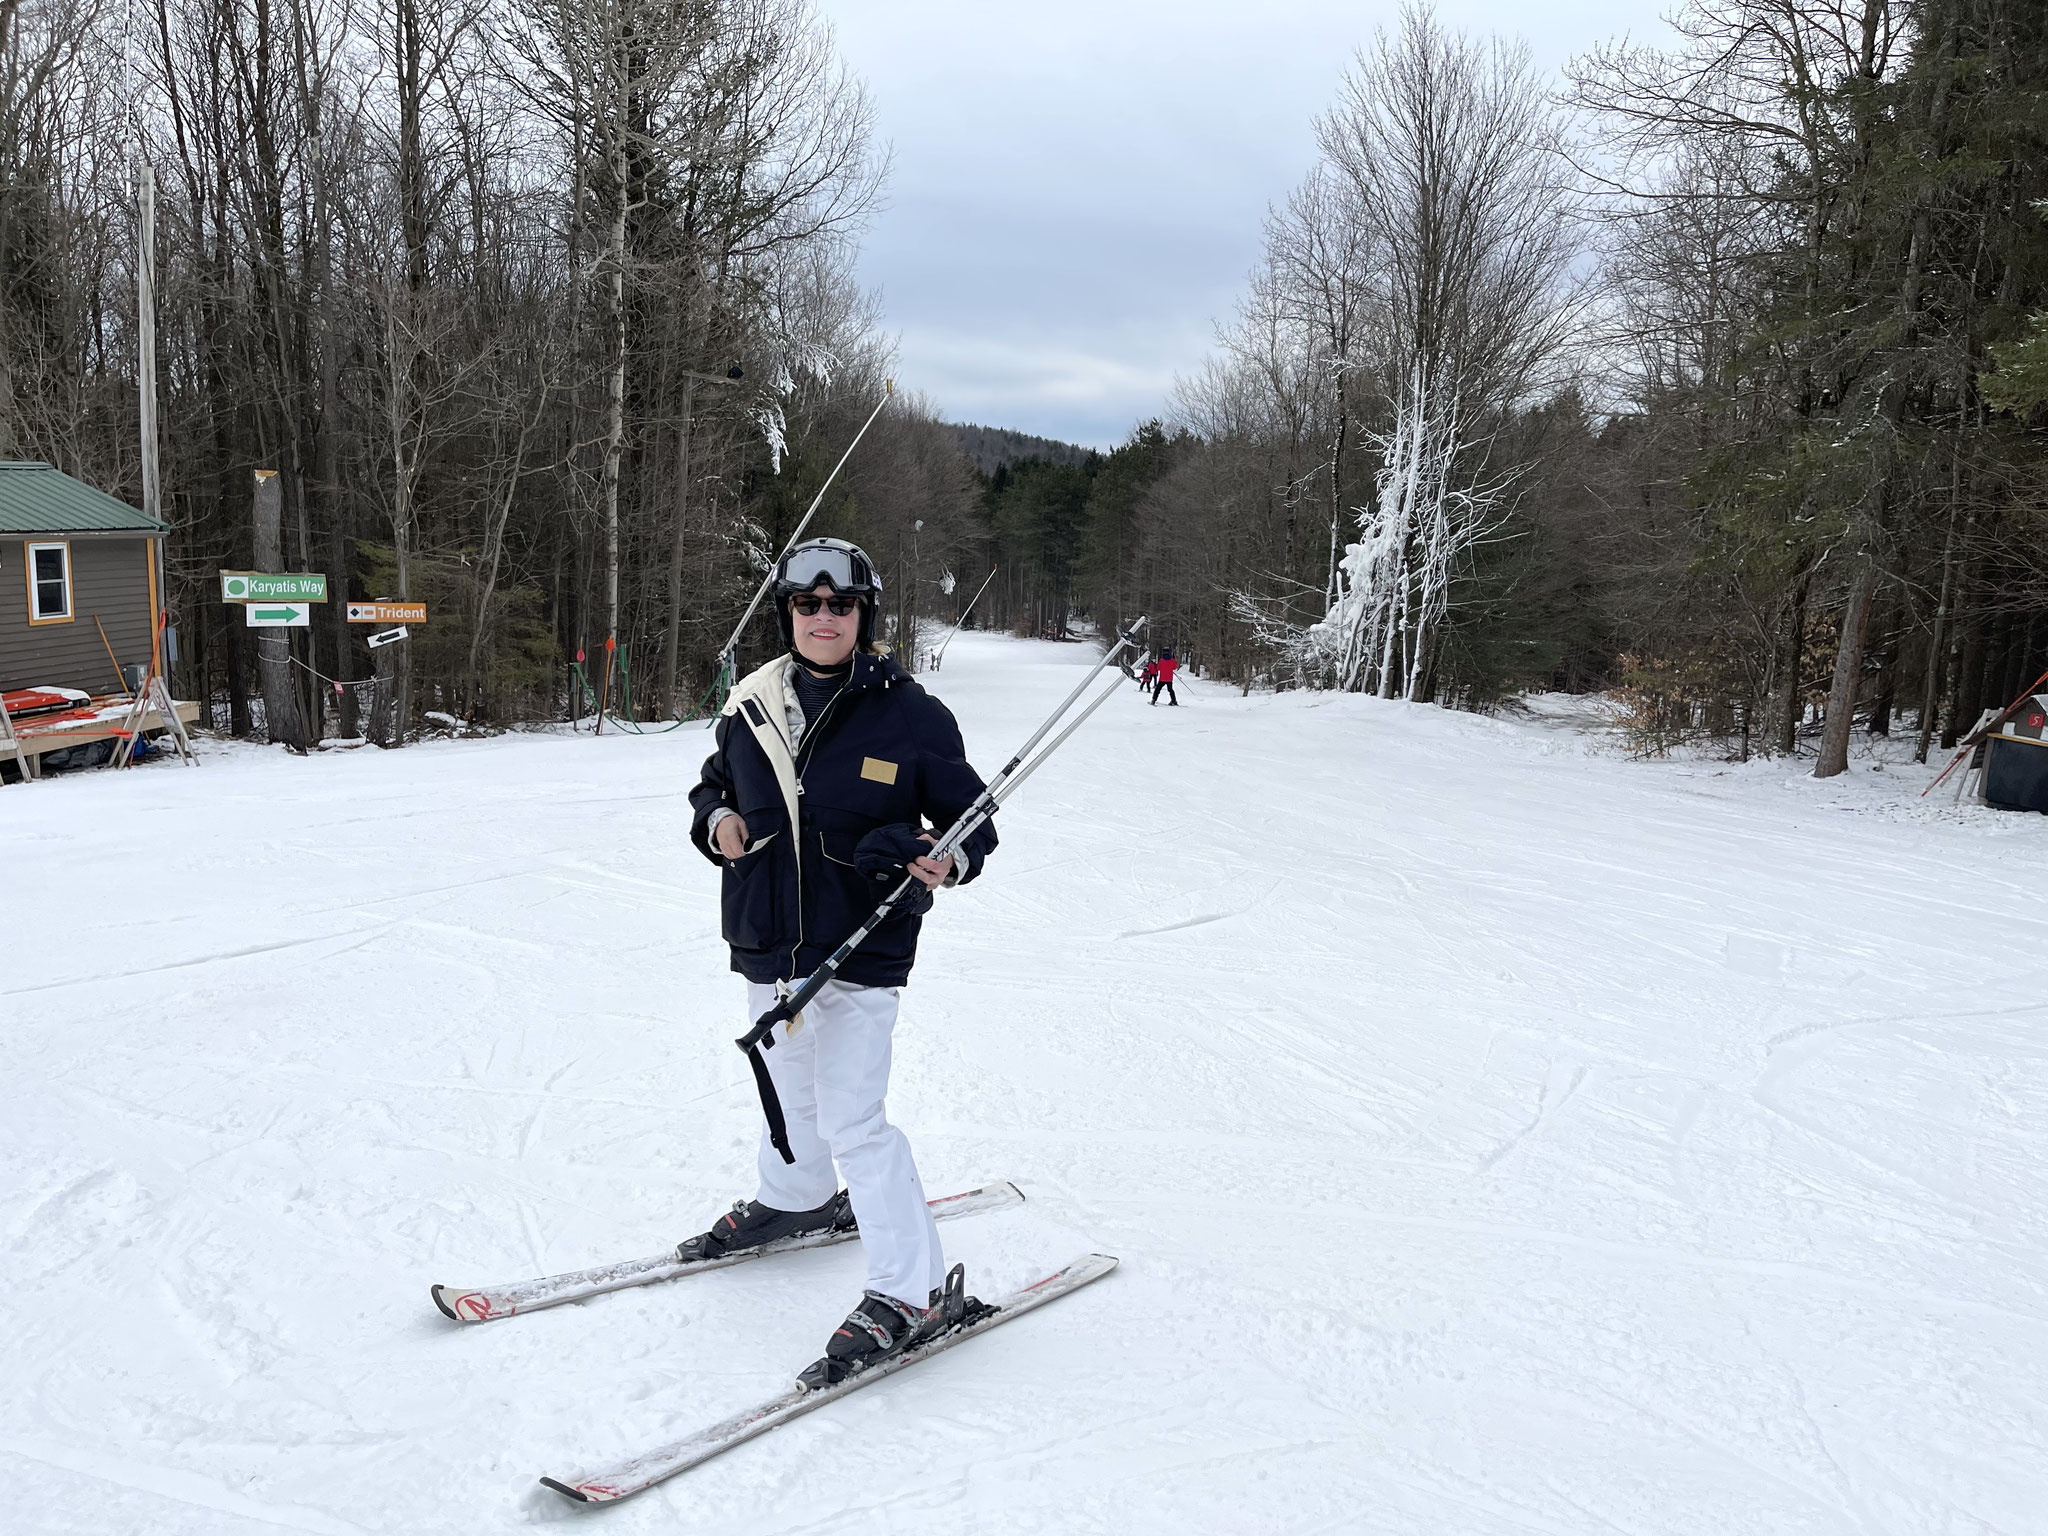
(830,762)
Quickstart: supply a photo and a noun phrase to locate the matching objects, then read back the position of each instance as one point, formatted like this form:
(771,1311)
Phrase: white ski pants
(831,1070)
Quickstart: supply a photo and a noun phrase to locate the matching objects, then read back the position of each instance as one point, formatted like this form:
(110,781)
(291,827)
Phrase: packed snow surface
(1499,1136)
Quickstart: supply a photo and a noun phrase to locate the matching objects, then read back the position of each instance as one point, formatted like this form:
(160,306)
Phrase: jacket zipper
(810,735)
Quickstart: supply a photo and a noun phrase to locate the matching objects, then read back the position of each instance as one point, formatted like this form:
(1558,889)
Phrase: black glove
(883,858)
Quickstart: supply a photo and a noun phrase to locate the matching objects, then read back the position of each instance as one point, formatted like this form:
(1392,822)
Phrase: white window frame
(35,611)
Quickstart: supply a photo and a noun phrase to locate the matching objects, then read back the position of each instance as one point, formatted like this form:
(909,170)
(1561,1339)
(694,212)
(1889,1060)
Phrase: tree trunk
(615,395)
(1791,701)
(1952,672)
(2030,670)
(1336,486)
(239,723)
(2013,675)
(1887,671)
(326,462)
(1937,645)
(671,655)
(412,181)
(494,550)
(280,698)
(1848,679)
(1969,689)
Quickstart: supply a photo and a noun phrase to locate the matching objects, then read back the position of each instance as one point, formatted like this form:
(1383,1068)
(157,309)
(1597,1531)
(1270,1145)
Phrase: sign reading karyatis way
(257,587)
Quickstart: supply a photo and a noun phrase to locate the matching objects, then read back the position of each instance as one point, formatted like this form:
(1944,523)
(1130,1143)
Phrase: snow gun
(761,1038)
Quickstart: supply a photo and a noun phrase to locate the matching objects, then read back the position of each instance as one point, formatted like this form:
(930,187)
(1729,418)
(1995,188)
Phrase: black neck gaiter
(815,692)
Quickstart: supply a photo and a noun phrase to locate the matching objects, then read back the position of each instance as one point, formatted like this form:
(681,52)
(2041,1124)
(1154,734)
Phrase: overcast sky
(1078,185)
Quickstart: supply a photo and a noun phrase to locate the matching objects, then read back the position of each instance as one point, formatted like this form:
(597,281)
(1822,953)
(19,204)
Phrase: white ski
(490,1302)
(650,1467)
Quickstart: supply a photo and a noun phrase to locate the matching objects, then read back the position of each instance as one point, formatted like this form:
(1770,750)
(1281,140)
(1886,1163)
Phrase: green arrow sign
(258,587)
(273,615)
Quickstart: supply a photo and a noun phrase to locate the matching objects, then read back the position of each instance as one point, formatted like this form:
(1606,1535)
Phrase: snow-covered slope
(1498,1138)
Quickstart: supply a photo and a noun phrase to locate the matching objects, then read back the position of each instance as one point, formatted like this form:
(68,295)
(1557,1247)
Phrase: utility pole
(916,567)
(145,365)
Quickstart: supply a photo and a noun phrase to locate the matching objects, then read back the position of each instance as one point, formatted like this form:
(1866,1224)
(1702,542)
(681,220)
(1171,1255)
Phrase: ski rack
(1012,776)
(167,709)
(10,742)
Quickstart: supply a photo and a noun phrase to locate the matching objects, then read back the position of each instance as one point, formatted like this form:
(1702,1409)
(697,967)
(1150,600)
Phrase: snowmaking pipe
(761,1037)
(940,655)
(725,656)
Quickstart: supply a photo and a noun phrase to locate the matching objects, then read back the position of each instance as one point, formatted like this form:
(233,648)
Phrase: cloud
(1079,185)
(971,375)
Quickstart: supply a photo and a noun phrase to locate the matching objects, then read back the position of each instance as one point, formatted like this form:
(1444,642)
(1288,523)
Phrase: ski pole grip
(762,1034)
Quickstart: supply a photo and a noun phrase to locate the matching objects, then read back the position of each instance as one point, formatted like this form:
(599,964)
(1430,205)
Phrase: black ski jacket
(883,751)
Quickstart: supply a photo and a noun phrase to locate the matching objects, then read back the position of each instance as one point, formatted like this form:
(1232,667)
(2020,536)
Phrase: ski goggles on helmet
(808,603)
(843,570)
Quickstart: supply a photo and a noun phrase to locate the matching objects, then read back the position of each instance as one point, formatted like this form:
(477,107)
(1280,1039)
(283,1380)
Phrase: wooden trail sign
(387,613)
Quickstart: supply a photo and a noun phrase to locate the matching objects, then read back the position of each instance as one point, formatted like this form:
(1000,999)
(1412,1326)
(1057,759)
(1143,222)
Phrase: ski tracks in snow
(1498,1140)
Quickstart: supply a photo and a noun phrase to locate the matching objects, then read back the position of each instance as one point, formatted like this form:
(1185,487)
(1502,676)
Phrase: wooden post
(273,664)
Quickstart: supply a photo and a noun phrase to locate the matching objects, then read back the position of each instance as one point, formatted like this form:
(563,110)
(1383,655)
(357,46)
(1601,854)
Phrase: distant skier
(1166,667)
(830,760)
(1149,676)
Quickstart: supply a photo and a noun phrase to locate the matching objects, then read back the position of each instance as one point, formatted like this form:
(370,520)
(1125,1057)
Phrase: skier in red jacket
(1165,666)
(1148,677)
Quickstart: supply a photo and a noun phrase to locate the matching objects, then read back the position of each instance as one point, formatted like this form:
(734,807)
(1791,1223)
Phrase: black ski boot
(881,1327)
(750,1224)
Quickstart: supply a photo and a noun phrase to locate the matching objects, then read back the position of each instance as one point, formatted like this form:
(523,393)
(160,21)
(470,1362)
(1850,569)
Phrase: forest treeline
(1716,374)
(991,448)
(541,309)
(1716,377)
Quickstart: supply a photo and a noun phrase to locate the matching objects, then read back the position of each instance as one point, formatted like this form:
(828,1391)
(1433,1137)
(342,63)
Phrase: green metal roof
(35,498)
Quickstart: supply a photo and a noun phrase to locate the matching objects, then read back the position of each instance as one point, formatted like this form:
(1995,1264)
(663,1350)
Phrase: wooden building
(81,587)
(73,562)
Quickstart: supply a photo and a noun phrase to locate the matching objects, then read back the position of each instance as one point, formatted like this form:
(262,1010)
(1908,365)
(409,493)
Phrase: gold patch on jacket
(881,772)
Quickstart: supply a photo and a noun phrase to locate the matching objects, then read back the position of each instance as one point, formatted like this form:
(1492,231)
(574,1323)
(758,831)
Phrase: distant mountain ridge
(992,447)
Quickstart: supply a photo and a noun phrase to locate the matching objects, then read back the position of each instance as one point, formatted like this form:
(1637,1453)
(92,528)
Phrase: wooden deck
(105,711)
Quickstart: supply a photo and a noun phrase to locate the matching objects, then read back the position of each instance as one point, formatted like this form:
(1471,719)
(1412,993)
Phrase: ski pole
(725,655)
(761,1038)
(1012,773)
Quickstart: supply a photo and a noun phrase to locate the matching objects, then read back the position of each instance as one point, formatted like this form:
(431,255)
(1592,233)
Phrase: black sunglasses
(808,603)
